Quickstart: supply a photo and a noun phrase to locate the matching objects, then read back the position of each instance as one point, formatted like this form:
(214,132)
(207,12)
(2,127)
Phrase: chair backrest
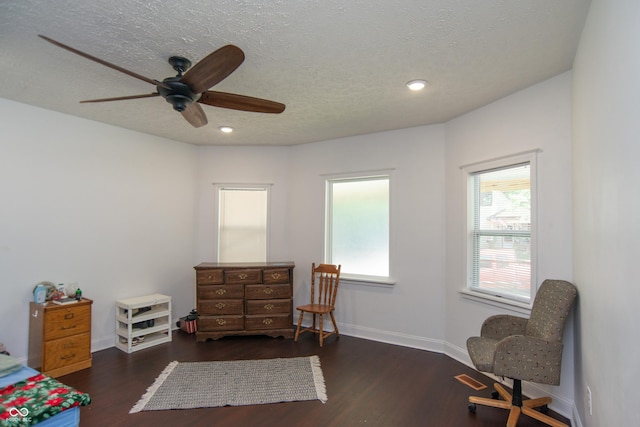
(324,283)
(550,309)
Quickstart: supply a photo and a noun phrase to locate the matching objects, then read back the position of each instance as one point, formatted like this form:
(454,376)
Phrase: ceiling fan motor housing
(179,94)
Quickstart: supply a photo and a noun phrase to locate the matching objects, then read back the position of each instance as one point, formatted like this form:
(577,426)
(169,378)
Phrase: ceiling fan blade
(214,68)
(103,62)
(121,98)
(241,102)
(194,114)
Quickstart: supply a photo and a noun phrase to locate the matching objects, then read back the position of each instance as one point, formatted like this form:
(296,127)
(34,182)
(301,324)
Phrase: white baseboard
(389,337)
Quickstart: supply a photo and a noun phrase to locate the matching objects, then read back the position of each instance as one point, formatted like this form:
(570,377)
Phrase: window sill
(496,301)
(366,280)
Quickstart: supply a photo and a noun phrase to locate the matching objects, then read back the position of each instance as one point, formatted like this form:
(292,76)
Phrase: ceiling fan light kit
(191,86)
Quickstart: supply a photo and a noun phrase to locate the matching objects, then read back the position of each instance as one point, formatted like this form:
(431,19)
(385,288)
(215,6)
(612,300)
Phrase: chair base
(516,405)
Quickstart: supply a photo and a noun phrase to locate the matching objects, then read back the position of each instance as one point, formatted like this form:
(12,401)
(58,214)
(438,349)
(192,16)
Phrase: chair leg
(335,325)
(299,325)
(321,333)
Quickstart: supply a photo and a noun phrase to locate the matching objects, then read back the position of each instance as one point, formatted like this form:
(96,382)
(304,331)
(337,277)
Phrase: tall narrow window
(357,226)
(501,220)
(242,223)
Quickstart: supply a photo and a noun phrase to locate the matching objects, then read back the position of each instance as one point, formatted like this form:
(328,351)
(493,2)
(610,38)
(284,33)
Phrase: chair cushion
(482,351)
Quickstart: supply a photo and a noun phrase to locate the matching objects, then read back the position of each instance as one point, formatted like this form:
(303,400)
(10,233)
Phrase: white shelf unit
(128,313)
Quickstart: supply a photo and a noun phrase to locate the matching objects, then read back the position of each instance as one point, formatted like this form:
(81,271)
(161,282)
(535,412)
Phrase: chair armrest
(529,359)
(503,325)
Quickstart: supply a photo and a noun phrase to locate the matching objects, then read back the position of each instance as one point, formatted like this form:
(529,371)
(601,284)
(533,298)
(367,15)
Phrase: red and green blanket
(37,399)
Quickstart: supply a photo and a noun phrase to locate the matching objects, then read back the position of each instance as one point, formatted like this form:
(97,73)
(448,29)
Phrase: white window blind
(242,224)
(501,208)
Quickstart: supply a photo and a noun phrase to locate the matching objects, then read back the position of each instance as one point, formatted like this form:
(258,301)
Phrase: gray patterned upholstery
(526,349)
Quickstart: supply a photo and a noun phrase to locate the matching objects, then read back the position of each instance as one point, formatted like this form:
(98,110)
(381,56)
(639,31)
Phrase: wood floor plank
(368,383)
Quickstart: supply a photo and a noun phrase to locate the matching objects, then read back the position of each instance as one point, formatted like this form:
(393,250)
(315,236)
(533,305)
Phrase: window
(242,223)
(501,222)
(357,226)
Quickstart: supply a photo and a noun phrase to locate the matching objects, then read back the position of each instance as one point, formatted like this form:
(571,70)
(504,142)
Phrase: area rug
(188,385)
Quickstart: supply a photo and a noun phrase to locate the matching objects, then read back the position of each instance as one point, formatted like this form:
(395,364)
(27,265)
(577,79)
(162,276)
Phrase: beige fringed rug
(188,385)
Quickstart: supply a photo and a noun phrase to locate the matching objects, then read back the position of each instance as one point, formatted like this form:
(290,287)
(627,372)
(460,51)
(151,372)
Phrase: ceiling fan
(191,86)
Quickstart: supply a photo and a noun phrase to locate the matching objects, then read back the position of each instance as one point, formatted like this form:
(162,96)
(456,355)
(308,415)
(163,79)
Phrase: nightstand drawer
(66,351)
(66,321)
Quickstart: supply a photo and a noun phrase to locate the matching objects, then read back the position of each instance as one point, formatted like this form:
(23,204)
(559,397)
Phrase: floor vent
(466,379)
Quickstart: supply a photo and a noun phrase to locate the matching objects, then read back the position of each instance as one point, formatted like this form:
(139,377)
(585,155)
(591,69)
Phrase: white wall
(535,118)
(242,165)
(606,149)
(411,311)
(86,202)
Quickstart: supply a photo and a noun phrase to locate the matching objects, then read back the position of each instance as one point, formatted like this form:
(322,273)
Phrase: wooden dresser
(244,299)
(60,337)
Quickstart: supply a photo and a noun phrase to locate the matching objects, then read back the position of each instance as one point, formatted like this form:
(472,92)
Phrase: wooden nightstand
(60,337)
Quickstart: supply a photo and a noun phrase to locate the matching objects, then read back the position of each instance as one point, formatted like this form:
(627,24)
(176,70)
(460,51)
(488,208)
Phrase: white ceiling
(339,66)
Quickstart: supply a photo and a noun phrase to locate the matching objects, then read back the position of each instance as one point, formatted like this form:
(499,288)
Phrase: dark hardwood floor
(368,383)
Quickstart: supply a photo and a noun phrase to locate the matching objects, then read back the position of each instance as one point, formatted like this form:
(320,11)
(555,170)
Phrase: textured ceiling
(339,66)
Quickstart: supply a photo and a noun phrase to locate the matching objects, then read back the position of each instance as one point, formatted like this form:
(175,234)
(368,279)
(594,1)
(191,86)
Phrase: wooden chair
(323,299)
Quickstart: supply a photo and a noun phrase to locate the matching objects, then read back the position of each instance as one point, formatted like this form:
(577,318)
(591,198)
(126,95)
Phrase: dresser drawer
(221,306)
(220,292)
(269,306)
(267,291)
(65,321)
(66,351)
(280,275)
(220,323)
(209,277)
(276,321)
(243,276)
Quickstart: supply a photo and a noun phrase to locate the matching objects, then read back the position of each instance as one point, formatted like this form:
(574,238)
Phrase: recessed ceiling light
(226,129)
(416,84)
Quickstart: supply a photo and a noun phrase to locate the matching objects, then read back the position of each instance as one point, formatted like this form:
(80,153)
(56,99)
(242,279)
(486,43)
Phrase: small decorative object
(40,294)
(188,323)
(78,294)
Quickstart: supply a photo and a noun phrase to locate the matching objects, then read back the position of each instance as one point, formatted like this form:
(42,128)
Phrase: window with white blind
(357,226)
(242,223)
(501,223)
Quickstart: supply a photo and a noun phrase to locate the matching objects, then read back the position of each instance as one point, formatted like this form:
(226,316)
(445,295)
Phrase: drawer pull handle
(221,291)
(71,356)
(268,306)
(209,277)
(275,276)
(220,305)
(221,322)
(268,291)
(67,327)
(69,316)
(243,276)
(267,321)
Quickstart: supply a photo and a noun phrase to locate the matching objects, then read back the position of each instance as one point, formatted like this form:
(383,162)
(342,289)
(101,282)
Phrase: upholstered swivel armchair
(524,350)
